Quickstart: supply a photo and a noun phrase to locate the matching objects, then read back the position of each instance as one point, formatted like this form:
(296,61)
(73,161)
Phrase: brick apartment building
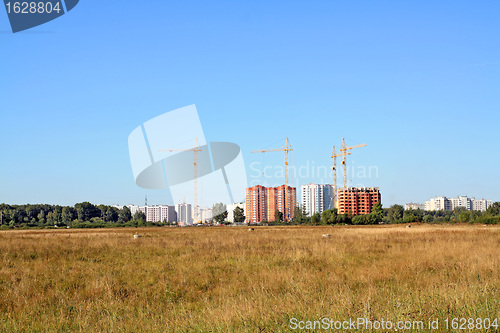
(262,202)
(357,200)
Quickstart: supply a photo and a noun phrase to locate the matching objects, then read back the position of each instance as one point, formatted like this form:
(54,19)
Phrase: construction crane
(195,151)
(344,153)
(334,168)
(285,149)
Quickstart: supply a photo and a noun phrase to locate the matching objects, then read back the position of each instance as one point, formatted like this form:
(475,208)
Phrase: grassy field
(230,279)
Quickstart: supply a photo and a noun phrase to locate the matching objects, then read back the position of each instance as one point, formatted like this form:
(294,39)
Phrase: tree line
(88,215)
(393,214)
(82,215)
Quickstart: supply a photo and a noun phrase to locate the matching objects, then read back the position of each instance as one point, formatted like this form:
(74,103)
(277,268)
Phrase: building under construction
(262,202)
(357,200)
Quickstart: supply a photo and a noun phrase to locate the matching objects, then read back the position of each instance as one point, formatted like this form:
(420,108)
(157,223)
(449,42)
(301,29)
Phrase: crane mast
(334,168)
(344,152)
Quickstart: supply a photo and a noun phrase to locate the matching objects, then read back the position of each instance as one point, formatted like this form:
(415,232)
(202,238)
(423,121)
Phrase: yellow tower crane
(334,168)
(344,153)
(286,149)
(195,151)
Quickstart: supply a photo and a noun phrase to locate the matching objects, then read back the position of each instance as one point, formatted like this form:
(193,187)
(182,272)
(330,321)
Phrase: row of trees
(86,214)
(83,214)
(395,214)
(331,216)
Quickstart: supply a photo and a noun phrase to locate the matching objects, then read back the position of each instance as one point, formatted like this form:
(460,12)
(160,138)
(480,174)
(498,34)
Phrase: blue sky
(417,81)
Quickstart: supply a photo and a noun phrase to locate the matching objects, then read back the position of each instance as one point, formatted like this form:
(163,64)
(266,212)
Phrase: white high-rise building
(481,204)
(153,214)
(184,214)
(134,209)
(206,215)
(156,213)
(438,203)
(167,214)
(443,203)
(460,201)
(316,198)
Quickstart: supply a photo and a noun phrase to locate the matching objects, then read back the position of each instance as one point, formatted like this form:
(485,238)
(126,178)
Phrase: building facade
(155,213)
(206,215)
(444,203)
(357,200)
(481,205)
(134,209)
(184,214)
(438,203)
(262,202)
(316,198)
(168,214)
(255,204)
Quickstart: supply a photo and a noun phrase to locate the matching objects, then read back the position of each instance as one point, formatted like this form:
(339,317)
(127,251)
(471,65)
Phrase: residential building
(438,203)
(155,213)
(460,201)
(357,200)
(168,214)
(206,215)
(481,204)
(444,203)
(255,204)
(184,214)
(275,198)
(134,209)
(261,203)
(316,198)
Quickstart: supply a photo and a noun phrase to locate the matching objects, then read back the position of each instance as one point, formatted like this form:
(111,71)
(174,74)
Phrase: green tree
(139,217)
(344,219)
(103,209)
(395,213)
(111,214)
(494,209)
(315,218)
(86,211)
(377,213)
(464,217)
(124,215)
(329,216)
(56,214)
(67,215)
(219,211)
(238,215)
(299,215)
(412,215)
(30,211)
(278,216)
(428,218)
(41,217)
(220,218)
(50,218)
(359,220)
(219,208)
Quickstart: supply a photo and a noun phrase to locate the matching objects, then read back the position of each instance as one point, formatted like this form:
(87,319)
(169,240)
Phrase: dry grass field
(230,279)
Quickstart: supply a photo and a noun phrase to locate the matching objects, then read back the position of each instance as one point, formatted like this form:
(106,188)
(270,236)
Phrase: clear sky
(417,81)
